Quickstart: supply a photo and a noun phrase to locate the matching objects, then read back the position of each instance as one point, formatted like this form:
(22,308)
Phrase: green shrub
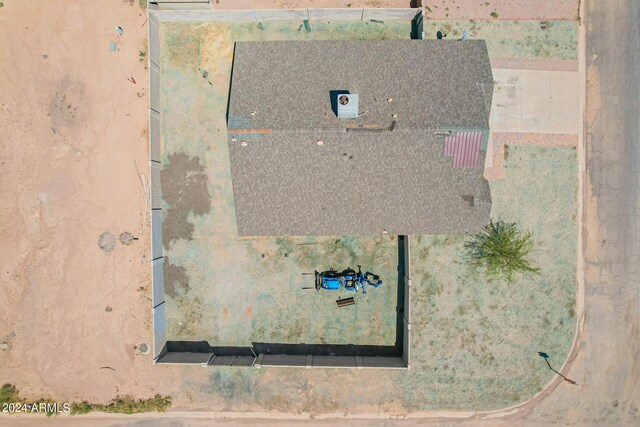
(9,394)
(124,405)
(128,405)
(120,405)
(501,250)
(81,408)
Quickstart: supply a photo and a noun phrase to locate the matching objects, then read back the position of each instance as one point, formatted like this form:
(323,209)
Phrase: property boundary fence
(201,12)
(300,355)
(200,353)
(155,153)
(406,336)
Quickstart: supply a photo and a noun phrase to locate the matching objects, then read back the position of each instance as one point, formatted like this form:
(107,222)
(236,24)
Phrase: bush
(121,405)
(124,405)
(129,405)
(501,250)
(9,394)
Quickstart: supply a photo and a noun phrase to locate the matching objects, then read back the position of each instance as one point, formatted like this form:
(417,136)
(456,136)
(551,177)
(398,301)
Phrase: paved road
(608,362)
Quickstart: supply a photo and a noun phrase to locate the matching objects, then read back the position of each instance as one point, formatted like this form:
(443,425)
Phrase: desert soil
(73,142)
(72,148)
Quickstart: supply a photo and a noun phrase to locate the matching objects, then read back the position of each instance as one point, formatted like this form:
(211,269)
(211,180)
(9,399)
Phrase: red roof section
(464,147)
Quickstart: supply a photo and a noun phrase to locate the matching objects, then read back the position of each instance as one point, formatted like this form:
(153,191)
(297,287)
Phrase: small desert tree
(501,250)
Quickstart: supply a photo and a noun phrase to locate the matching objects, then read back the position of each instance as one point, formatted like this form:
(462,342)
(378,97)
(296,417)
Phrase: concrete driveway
(537,101)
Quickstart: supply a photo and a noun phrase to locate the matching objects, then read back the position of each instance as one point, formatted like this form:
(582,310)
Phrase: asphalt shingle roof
(364,181)
(432,83)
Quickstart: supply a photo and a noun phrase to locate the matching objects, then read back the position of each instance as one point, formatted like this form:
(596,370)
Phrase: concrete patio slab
(535,101)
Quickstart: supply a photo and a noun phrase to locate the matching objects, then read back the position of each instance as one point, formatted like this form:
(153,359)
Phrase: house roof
(298,169)
(431,83)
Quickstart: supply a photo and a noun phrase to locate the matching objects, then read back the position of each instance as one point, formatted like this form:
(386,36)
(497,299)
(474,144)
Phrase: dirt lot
(502,9)
(73,146)
(299,4)
(73,140)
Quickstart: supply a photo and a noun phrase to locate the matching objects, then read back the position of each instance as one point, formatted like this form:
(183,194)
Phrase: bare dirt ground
(301,4)
(73,138)
(502,9)
(63,183)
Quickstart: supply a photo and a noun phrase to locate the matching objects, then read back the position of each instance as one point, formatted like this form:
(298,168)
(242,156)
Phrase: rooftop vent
(347,106)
